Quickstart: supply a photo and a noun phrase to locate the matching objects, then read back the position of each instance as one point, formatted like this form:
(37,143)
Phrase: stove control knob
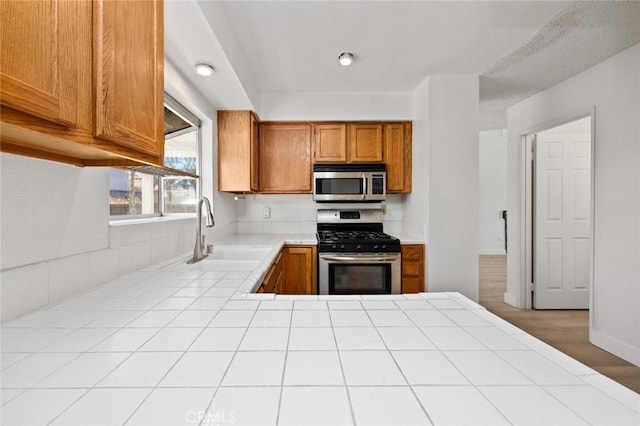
(359,246)
(384,246)
(341,246)
(334,246)
(375,247)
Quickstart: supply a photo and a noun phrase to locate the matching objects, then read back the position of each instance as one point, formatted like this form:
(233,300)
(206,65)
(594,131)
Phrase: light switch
(266,212)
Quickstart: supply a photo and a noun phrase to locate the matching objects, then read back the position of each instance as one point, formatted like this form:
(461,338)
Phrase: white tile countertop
(408,239)
(186,344)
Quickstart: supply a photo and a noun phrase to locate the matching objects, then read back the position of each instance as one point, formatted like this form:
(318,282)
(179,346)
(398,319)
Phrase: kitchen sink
(239,253)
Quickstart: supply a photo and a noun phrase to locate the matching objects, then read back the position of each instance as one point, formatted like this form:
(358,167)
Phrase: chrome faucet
(198,251)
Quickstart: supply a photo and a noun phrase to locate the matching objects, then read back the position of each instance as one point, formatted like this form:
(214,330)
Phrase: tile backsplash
(131,247)
(297,214)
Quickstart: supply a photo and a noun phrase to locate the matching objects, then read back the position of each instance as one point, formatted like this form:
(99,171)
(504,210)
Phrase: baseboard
(615,346)
(511,299)
(492,252)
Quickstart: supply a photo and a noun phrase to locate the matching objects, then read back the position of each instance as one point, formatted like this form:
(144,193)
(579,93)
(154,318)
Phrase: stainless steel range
(354,255)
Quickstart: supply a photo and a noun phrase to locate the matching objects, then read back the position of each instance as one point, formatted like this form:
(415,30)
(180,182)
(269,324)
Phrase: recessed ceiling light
(204,69)
(345,59)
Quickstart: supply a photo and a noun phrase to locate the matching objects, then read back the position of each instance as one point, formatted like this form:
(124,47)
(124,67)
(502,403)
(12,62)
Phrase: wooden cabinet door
(299,270)
(46,58)
(237,151)
(253,157)
(412,268)
(329,143)
(365,142)
(285,158)
(397,156)
(129,73)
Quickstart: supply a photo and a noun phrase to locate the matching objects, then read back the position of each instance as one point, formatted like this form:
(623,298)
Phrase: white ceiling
(516,47)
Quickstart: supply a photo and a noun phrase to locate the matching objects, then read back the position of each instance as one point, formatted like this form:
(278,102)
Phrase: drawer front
(412,269)
(412,252)
(270,280)
(411,285)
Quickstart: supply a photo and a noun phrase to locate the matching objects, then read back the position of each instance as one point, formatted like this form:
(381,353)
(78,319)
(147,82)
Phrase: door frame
(526,204)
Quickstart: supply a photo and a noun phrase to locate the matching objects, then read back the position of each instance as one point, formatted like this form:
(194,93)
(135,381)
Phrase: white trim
(511,299)
(592,259)
(152,219)
(526,288)
(615,346)
(525,200)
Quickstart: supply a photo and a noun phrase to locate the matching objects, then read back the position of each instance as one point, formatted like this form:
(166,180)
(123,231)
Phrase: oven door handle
(344,259)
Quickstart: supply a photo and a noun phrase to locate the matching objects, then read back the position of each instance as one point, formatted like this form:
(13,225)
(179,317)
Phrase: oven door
(359,273)
(339,186)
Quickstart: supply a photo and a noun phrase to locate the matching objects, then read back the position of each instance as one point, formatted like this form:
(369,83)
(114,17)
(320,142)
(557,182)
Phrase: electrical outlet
(266,212)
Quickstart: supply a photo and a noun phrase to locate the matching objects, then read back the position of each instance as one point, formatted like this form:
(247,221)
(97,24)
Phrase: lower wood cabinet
(293,272)
(273,279)
(413,268)
(299,270)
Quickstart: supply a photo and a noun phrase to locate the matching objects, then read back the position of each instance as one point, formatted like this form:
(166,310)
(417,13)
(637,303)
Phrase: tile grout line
(344,377)
(233,357)
(458,369)
(415,396)
(150,309)
(155,387)
(33,387)
(94,386)
(284,367)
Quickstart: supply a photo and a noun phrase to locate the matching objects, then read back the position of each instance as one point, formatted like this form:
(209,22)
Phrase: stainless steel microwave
(349,182)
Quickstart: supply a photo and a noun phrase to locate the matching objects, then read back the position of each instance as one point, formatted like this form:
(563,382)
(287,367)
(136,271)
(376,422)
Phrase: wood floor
(565,330)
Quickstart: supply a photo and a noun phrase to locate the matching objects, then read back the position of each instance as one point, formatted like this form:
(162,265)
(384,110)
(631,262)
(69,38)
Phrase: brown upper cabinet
(329,143)
(351,143)
(129,73)
(285,158)
(276,157)
(365,143)
(238,147)
(82,82)
(397,156)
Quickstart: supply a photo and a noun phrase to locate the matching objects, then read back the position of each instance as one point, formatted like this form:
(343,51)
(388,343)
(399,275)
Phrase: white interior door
(562,220)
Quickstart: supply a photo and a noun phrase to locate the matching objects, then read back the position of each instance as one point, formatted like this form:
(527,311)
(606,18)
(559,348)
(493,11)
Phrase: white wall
(222,204)
(51,210)
(342,106)
(492,191)
(52,216)
(613,88)
(443,206)
(452,135)
(416,204)
(56,237)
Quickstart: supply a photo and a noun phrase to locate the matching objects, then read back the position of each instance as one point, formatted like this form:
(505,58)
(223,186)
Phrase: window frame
(184,113)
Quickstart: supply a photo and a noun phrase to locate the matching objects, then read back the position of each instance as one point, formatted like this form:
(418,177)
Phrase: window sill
(156,219)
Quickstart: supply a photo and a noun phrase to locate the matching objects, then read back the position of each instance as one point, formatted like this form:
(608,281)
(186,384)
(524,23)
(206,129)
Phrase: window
(133,193)
(136,194)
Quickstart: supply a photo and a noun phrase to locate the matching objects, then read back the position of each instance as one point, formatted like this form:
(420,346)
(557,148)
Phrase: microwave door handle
(364,187)
(344,259)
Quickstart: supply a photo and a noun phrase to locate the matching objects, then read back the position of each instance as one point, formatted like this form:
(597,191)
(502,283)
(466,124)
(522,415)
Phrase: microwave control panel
(377,184)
